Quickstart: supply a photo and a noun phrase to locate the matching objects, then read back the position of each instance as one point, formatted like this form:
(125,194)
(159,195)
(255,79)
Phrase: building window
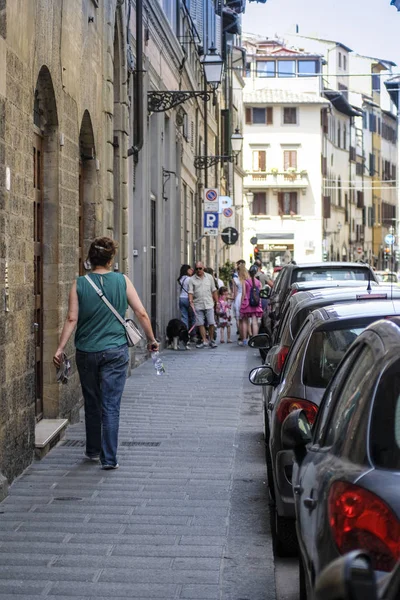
(372,123)
(259,203)
(376,83)
(339,185)
(259,160)
(289,115)
(340,60)
(259,116)
(339,134)
(344,137)
(247,71)
(266,68)
(372,165)
(307,67)
(344,62)
(289,159)
(287,203)
(365,119)
(286,68)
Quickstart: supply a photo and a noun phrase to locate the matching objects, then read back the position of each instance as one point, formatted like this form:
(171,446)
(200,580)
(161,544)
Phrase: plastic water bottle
(157,362)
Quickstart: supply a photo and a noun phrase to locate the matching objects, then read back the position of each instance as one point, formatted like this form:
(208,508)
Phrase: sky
(370,27)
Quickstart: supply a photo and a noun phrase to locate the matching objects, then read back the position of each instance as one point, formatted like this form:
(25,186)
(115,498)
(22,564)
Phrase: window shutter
(256,166)
(262,160)
(280,203)
(326,207)
(218,34)
(293,203)
(248,116)
(293,159)
(269,115)
(286,160)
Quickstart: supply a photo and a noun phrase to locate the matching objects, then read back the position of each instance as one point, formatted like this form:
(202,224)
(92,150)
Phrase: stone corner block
(3,487)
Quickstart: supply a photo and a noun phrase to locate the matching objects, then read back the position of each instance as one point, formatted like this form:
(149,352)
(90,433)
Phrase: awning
(341,104)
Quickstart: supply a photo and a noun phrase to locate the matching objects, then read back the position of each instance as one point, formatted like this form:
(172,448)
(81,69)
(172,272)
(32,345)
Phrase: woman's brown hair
(101,251)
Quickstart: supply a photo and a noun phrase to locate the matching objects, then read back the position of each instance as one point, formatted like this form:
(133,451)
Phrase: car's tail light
(281,357)
(288,405)
(293,292)
(361,520)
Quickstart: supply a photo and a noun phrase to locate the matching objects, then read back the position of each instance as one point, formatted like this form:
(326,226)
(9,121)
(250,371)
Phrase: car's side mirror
(265,292)
(261,341)
(350,577)
(296,433)
(262,376)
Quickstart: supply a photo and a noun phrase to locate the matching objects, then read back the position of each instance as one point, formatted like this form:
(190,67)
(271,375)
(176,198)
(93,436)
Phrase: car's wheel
(285,538)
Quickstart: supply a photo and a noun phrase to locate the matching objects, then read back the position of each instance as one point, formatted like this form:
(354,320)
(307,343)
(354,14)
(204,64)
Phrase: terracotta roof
(281,97)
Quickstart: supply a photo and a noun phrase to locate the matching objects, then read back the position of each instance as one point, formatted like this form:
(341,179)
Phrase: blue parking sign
(210,223)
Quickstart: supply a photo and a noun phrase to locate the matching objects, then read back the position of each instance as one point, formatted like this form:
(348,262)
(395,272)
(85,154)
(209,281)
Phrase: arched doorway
(87,189)
(45,237)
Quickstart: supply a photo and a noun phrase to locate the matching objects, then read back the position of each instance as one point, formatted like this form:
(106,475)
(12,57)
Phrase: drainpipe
(138,85)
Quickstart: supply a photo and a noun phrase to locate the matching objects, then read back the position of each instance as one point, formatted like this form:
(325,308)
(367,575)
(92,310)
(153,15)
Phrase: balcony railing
(275,179)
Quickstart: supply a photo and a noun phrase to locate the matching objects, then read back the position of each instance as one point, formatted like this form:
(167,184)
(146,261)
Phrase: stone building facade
(64,138)
(83,154)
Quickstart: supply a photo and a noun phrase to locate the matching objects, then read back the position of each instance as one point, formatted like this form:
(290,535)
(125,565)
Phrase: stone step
(48,432)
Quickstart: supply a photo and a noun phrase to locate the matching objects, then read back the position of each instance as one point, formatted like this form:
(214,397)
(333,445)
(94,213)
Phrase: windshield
(331,274)
(324,352)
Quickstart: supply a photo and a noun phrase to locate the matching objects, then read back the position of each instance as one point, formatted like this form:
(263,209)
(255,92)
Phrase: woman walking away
(183,285)
(238,286)
(101,348)
(251,309)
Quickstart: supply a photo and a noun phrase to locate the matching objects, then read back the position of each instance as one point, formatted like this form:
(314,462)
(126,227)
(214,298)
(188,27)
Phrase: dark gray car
(312,360)
(347,471)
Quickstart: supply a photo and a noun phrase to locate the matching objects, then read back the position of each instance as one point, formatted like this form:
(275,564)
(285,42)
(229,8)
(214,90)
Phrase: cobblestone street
(185,516)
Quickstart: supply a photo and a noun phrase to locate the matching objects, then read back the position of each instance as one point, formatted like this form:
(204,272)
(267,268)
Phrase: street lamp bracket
(161,101)
(205,162)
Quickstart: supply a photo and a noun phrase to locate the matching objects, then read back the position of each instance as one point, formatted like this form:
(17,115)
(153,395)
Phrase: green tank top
(98,328)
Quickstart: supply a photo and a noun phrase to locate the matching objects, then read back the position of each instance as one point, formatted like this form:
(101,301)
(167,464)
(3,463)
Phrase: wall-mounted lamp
(161,101)
(204,162)
(166,177)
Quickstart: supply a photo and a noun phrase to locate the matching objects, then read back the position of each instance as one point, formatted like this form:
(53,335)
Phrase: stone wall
(58,51)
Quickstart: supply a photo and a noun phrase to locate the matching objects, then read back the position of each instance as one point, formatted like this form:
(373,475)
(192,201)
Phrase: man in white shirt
(202,296)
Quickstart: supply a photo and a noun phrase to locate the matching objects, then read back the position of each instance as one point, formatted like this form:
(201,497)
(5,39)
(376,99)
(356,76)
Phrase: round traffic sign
(227,212)
(389,238)
(211,195)
(229,235)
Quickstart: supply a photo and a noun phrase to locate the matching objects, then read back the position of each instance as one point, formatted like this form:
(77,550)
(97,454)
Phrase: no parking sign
(228,217)
(211,200)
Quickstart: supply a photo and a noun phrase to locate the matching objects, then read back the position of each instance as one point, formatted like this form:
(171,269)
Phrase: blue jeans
(187,315)
(103,376)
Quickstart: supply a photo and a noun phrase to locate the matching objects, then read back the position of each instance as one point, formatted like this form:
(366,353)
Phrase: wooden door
(38,269)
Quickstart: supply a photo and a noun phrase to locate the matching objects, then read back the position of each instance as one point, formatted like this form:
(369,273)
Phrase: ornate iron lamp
(204,162)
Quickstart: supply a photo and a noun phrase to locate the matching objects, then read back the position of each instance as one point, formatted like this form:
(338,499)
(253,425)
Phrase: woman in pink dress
(251,309)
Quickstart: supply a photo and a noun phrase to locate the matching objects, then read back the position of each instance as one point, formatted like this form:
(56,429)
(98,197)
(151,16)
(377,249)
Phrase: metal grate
(76,443)
(154,444)
(81,443)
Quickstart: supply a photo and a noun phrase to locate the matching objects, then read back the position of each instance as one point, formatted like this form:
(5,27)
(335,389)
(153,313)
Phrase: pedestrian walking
(187,314)
(250,308)
(224,315)
(101,349)
(238,284)
(202,298)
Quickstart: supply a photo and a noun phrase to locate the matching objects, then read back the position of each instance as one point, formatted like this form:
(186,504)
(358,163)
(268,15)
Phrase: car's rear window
(385,421)
(324,352)
(330,274)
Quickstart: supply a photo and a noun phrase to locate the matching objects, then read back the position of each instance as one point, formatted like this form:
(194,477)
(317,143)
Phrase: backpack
(254,299)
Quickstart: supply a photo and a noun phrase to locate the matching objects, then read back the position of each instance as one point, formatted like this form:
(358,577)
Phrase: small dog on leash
(177,333)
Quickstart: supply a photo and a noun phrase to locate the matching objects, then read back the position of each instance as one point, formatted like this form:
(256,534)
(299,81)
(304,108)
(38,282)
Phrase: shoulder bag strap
(102,296)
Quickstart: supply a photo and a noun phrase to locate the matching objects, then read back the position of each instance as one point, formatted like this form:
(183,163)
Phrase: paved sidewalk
(185,516)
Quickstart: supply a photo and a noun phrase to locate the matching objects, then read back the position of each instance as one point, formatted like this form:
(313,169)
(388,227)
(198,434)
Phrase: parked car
(333,271)
(347,467)
(351,577)
(313,358)
(387,276)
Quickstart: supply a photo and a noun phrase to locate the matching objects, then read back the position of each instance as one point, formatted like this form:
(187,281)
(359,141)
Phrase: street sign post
(210,223)
(228,217)
(229,235)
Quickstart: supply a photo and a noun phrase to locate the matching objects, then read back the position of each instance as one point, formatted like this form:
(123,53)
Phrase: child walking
(224,315)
